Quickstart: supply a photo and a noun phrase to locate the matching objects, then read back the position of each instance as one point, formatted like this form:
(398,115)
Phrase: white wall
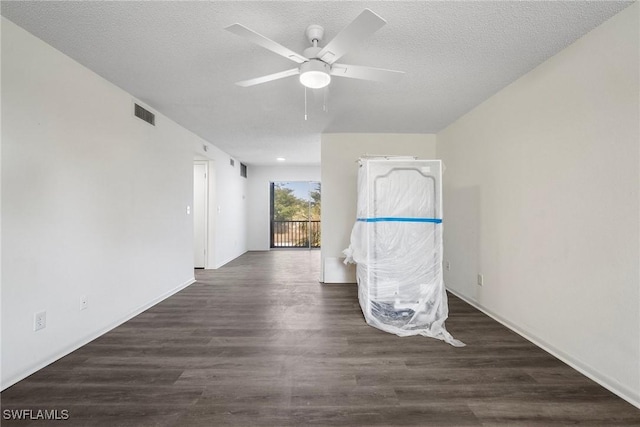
(541,195)
(340,152)
(227,206)
(260,177)
(93,203)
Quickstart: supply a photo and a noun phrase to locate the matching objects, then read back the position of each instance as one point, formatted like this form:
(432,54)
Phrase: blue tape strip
(400,219)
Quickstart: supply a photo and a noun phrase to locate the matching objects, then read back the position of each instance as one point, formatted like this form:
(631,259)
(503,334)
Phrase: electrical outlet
(39,320)
(480,279)
(447,266)
(84,302)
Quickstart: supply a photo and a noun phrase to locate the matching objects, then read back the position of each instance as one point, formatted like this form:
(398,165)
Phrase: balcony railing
(295,234)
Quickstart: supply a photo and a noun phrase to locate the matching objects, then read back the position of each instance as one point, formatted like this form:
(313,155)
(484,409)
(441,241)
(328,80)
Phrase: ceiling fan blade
(365,73)
(268,78)
(351,36)
(266,43)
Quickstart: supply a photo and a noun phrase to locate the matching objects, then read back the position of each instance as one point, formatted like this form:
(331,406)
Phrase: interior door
(199,214)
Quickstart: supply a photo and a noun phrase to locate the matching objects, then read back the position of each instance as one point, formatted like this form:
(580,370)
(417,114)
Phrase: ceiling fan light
(314,74)
(315,79)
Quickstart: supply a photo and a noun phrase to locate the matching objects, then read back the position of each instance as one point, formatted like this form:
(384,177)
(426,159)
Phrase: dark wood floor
(260,343)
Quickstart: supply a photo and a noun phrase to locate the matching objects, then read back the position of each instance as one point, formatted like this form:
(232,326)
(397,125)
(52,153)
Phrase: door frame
(206,210)
(272,185)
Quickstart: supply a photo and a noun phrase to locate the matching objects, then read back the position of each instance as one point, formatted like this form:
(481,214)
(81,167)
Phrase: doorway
(295,214)
(200,202)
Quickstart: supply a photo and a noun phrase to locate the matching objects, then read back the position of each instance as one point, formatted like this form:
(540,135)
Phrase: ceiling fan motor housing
(311,52)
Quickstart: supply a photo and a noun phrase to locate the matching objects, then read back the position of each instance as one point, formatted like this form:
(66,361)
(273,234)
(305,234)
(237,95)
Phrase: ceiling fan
(318,64)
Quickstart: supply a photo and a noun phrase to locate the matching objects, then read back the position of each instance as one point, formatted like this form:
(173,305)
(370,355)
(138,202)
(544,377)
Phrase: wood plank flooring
(260,342)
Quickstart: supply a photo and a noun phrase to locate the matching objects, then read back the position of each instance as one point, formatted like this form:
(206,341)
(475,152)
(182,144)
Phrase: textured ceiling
(177,57)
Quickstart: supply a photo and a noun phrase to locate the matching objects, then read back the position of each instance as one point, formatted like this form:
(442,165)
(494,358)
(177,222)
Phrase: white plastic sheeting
(396,243)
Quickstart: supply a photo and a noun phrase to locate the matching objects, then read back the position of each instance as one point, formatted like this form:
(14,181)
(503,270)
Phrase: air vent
(243,170)
(232,162)
(145,115)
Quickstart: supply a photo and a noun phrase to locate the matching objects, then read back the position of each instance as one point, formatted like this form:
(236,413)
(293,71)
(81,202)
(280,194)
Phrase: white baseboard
(84,341)
(631,396)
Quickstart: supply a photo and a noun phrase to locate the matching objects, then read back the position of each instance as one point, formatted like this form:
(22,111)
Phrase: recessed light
(281,159)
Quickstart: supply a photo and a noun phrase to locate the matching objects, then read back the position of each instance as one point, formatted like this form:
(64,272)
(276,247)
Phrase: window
(295,215)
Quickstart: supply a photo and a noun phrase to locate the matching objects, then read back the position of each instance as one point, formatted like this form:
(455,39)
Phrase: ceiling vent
(145,115)
(232,162)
